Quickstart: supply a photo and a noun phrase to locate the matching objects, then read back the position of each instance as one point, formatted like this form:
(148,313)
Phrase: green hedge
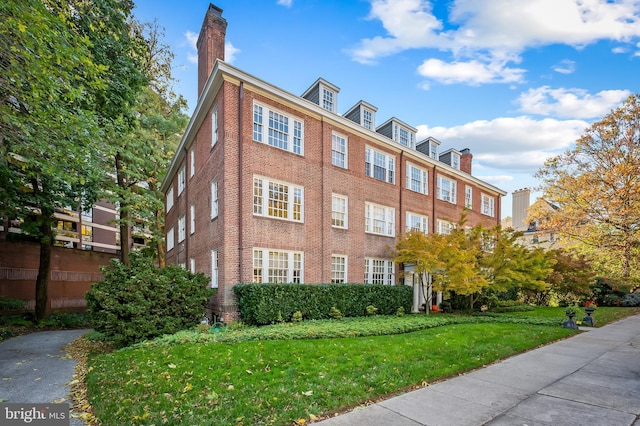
(262,304)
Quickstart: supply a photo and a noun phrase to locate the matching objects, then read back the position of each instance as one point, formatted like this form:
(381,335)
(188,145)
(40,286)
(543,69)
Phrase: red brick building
(267,186)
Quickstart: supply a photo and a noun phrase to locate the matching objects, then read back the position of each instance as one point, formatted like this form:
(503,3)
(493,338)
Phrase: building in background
(532,237)
(268,186)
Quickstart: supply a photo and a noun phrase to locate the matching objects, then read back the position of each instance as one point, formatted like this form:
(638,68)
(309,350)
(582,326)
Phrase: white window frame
(339,268)
(339,151)
(182,232)
(422,222)
(339,211)
(380,220)
(182,179)
(192,162)
(291,129)
(266,259)
(214,199)
(192,265)
(404,136)
(378,160)
(170,239)
(170,197)
(214,126)
(192,218)
(468,197)
(420,185)
(445,227)
(487,205)
(266,206)
(379,271)
(368,119)
(214,269)
(447,189)
(455,160)
(328,99)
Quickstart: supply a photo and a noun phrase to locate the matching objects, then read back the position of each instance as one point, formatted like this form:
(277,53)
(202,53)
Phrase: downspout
(187,211)
(322,198)
(240,181)
(433,202)
(401,171)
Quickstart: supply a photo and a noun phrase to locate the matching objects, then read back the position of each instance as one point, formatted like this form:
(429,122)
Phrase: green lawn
(603,314)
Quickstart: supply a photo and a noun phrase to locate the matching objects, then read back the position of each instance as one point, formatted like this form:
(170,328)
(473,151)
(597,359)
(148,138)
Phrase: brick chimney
(465,160)
(210,43)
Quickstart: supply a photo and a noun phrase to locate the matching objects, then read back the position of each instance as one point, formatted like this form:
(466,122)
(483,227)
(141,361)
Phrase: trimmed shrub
(296,317)
(631,300)
(259,304)
(140,301)
(335,313)
(371,310)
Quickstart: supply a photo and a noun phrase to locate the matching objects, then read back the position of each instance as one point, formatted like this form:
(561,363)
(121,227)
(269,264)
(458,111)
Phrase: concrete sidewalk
(590,379)
(35,369)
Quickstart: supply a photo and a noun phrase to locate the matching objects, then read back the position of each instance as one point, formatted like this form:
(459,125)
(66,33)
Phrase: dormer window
(455,160)
(367,119)
(433,150)
(400,132)
(364,114)
(328,99)
(324,94)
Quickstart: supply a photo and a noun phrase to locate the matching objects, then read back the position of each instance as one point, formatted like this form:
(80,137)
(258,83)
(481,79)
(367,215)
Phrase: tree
(48,131)
(571,278)
(596,188)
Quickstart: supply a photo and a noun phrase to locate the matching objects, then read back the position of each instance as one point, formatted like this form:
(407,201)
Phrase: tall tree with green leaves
(596,188)
(49,132)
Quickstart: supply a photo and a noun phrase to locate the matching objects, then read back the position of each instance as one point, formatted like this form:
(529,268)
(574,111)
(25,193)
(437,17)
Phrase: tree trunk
(44,267)
(125,229)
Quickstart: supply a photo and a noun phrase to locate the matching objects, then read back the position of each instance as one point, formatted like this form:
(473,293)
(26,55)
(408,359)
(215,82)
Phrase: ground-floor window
(277,266)
(338,269)
(378,271)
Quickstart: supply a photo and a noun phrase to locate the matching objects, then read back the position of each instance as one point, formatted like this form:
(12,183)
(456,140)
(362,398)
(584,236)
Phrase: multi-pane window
(328,102)
(192,218)
(379,166)
(339,151)
(417,179)
(417,222)
(214,268)
(380,220)
(181,229)
(277,266)
(214,126)
(468,197)
(170,236)
(338,269)
(378,271)
(488,206)
(445,227)
(181,180)
(446,189)
(339,208)
(404,137)
(433,150)
(192,265)
(277,199)
(282,131)
(192,162)
(455,160)
(367,119)
(214,199)
(169,199)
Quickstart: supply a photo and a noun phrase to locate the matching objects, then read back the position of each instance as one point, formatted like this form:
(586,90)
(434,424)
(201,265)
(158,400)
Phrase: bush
(259,304)
(7,303)
(140,301)
(296,317)
(371,310)
(610,291)
(632,299)
(335,313)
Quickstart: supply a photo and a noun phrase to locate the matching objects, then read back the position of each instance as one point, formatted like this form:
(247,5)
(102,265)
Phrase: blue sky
(515,81)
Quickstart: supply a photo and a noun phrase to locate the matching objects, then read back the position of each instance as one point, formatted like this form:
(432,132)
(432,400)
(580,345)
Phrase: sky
(515,81)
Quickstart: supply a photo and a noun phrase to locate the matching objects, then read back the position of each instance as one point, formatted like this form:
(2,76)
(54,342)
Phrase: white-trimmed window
(468,197)
(378,271)
(339,211)
(169,199)
(277,266)
(417,222)
(182,180)
(277,129)
(380,220)
(404,136)
(192,218)
(192,265)
(338,269)
(445,227)
(181,229)
(488,205)
(170,237)
(328,99)
(455,160)
(447,189)
(379,166)
(214,126)
(433,150)
(417,179)
(367,119)
(339,151)
(214,268)
(214,199)
(192,162)
(276,199)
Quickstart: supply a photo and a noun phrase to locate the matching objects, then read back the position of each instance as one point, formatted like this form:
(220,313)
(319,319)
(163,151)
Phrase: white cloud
(570,103)
(472,72)
(514,144)
(285,3)
(566,66)
(497,180)
(230,52)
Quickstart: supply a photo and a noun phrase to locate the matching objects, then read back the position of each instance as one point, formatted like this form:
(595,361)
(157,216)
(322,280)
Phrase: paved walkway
(35,369)
(590,379)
